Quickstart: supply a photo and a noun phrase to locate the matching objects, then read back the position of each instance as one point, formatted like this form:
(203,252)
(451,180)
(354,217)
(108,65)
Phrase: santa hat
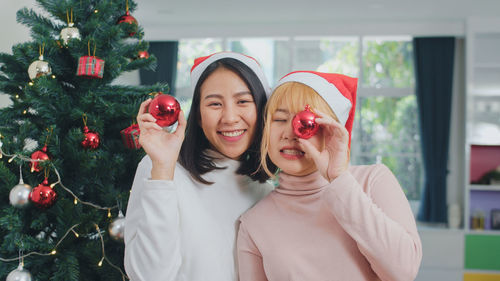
(201,63)
(339,92)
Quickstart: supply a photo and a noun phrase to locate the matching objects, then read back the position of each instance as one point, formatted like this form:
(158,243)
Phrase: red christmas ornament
(143,55)
(38,155)
(165,109)
(91,140)
(303,123)
(43,196)
(129,19)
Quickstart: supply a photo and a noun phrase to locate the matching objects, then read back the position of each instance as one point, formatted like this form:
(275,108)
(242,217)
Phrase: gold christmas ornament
(39,67)
(69,32)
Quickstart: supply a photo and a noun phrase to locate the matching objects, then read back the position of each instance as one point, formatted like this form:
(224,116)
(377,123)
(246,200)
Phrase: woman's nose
(288,133)
(229,114)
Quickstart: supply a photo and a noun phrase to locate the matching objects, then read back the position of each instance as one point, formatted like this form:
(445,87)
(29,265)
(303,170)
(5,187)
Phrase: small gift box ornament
(130,136)
(90,66)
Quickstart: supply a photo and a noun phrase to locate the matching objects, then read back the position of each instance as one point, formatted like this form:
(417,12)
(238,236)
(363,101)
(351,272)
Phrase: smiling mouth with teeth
(292,151)
(232,133)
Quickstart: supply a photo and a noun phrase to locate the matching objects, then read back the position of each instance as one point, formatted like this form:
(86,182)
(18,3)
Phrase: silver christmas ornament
(117,227)
(69,33)
(19,195)
(19,274)
(39,68)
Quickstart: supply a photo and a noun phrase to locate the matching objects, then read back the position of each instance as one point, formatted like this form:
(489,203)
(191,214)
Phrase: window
(386,129)
(189,50)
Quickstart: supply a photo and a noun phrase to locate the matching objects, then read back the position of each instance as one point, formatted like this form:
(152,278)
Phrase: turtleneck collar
(221,160)
(301,185)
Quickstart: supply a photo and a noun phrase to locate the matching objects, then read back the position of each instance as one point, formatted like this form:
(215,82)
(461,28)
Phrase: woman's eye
(214,104)
(245,101)
(279,120)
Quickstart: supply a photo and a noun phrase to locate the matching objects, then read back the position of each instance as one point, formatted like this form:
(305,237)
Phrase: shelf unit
(482,151)
(484,187)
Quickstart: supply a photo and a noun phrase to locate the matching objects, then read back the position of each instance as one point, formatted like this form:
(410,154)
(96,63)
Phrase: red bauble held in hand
(304,124)
(38,155)
(165,109)
(43,196)
(91,139)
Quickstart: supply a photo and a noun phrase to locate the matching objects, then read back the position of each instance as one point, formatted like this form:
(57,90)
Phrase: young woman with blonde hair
(326,220)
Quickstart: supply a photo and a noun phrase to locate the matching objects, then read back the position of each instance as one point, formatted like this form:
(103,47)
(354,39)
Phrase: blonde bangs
(293,96)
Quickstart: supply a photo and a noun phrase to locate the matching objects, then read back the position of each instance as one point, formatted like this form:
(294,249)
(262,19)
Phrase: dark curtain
(434,58)
(166,71)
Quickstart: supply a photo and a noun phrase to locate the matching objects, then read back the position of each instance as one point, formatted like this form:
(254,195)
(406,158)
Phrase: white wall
(12,32)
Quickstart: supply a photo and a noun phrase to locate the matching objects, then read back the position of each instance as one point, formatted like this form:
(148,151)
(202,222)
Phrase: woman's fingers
(329,124)
(181,125)
(143,108)
(309,149)
(144,104)
(150,125)
(146,117)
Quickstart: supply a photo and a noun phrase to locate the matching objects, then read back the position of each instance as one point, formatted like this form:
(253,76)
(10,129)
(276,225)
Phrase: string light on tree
(59,181)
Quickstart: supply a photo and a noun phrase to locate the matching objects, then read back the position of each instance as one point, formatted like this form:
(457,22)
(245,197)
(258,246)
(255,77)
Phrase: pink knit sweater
(358,227)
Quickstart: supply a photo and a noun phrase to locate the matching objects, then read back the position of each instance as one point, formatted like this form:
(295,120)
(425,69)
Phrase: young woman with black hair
(191,188)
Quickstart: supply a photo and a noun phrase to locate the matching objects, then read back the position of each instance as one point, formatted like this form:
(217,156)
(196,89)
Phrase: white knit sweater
(183,230)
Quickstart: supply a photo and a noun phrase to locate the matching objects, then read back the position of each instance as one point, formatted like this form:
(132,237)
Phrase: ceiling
(287,11)
(174,19)
(195,18)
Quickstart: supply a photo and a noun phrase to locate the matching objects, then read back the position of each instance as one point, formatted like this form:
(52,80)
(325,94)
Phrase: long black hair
(193,156)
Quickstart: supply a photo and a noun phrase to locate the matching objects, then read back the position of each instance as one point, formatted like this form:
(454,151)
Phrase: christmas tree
(68,136)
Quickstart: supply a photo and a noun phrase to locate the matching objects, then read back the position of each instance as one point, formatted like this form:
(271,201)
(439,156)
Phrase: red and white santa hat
(338,90)
(201,63)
